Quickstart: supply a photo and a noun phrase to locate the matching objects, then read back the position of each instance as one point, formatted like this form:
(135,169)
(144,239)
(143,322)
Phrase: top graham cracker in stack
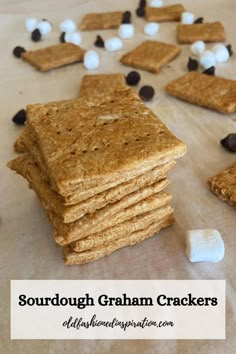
(90,141)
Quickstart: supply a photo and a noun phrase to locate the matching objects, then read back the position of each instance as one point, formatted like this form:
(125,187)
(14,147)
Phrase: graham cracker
(93,85)
(224,184)
(150,56)
(207,32)
(88,142)
(71,257)
(134,224)
(205,90)
(26,167)
(54,56)
(19,145)
(99,21)
(165,13)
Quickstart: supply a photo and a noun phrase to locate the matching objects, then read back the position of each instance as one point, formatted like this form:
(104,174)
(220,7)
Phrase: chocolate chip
(133,78)
(20,117)
(146,93)
(229,142)
(99,42)
(62,37)
(17,51)
(199,20)
(126,17)
(192,64)
(36,35)
(142,3)
(140,12)
(209,71)
(229,48)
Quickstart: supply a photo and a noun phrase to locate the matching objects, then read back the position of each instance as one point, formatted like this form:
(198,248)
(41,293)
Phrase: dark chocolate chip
(20,117)
(142,3)
(199,20)
(36,35)
(229,142)
(99,42)
(126,17)
(17,51)
(146,93)
(209,71)
(62,37)
(229,48)
(133,78)
(140,12)
(192,64)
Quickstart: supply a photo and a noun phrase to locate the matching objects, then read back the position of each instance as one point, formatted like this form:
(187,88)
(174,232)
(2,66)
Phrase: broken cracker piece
(99,21)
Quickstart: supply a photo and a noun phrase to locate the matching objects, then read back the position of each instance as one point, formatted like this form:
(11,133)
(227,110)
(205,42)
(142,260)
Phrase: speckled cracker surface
(55,56)
(165,13)
(71,257)
(96,140)
(205,90)
(207,32)
(26,167)
(224,185)
(93,85)
(19,145)
(99,21)
(150,56)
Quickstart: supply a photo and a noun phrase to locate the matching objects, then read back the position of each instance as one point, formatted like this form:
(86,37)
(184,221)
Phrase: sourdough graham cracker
(99,21)
(165,13)
(93,85)
(19,145)
(207,32)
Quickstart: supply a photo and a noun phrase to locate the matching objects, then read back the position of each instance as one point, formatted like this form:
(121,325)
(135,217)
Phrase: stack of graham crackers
(99,166)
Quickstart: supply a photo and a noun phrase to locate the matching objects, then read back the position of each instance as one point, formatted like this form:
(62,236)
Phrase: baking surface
(28,250)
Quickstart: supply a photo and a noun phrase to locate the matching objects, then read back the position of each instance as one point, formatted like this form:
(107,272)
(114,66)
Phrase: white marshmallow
(113,44)
(207,59)
(44,27)
(220,52)
(126,31)
(151,28)
(67,26)
(204,245)
(74,38)
(187,18)
(31,24)
(91,60)
(156,3)
(198,47)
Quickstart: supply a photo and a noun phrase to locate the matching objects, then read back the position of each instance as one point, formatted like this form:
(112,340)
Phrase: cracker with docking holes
(224,184)
(93,85)
(71,257)
(150,56)
(54,56)
(165,13)
(207,32)
(99,21)
(205,90)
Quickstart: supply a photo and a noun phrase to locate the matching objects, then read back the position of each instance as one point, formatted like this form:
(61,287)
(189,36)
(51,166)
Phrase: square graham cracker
(93,85)
(71,257)
(207,32)
(99,21)
(204,90)
(150,56)
(95,140)
(165,13)
(54,56)
(224,185)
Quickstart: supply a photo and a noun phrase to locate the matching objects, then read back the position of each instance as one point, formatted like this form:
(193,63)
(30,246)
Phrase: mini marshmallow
(74,38)
(126,31)
(31,24)
(156,3)
(67,26)
(151,28)
(91,60)
(220,52)
(187,18)
(113,44)
(207,59)
(198,47)
(204,245)
(44,27)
